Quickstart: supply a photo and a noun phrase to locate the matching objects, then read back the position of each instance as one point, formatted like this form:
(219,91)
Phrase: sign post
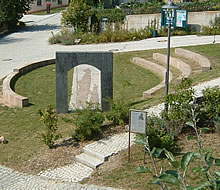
(137,124)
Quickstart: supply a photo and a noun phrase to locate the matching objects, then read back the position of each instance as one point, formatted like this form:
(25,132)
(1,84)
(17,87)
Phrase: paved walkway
(93,155)
(156,110)
(30,45)
(12,180)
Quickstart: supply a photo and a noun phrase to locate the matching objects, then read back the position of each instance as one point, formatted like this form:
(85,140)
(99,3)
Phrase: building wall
(195,20)
(54,4)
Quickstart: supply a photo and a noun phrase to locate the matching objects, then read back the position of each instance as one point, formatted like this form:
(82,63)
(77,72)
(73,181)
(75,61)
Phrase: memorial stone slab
(65,61)
(86,87)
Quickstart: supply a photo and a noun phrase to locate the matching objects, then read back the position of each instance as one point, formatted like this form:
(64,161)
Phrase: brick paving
(12,180)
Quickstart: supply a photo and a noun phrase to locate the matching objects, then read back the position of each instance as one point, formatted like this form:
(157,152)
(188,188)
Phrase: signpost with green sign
(180,19)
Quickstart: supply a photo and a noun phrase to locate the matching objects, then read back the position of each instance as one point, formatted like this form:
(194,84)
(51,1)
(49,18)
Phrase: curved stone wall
(155,68)
(9,96)
(183,67)
(201,60)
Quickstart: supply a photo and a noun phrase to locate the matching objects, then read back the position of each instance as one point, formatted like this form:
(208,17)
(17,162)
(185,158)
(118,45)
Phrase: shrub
(178,107)
(77,15)
(210,30)
(179,101)
(159,134)
(113,15)
(177,177)
(88,122)
(213,29)
(12,11)
(152,8)
(119,109)
(49,117)
(212,101)
(217,123)
(68,37)
(119,112)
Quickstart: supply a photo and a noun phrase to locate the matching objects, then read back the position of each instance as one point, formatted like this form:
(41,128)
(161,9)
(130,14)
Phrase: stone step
(89,160)
(94,154)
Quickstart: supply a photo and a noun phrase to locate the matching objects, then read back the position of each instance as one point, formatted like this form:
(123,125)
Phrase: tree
(12,10)
(77,15)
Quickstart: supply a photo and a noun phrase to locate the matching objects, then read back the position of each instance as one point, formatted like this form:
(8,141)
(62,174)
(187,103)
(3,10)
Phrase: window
(59,2)
(39,2)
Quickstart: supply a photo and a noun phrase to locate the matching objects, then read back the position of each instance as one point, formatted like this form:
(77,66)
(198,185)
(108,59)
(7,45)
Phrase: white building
(40,5)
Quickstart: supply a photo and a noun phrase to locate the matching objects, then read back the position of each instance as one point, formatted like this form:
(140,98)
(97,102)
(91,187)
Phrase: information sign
(137,124)
(180,18)
(138,121)
(179,21)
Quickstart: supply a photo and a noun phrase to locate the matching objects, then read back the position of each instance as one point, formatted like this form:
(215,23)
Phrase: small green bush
(159,134)
(113,15)
(119,112)
(209,30)
(212,101)
(179,101)
(88,122)
(217,123)
(49,117)
(178,104)
(67,37)
(77,15)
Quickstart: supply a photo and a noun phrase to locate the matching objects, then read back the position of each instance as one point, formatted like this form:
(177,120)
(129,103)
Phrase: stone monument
(102,66)
(86,87)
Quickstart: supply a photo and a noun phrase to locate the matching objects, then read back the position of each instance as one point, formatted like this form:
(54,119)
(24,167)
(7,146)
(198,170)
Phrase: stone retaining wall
(155,68)
(201,60)
(195,20)
(183,67)
(9,96)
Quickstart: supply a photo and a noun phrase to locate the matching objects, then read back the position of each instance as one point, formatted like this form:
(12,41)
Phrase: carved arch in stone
(68,60)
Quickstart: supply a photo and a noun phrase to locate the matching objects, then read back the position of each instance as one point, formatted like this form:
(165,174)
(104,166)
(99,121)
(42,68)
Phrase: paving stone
(72,173)
(17,181)
(89,160)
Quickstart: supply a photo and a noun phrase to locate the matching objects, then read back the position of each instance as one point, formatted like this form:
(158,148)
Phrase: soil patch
(62,154)
(118,173)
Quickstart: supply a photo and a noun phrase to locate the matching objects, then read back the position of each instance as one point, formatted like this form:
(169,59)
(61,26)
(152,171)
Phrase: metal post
(169,20)
(129,138)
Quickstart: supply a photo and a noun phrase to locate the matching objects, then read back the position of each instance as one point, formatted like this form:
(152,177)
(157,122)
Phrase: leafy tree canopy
(12,10)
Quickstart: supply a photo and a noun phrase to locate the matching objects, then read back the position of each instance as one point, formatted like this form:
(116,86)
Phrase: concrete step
(94,154)
(89,160)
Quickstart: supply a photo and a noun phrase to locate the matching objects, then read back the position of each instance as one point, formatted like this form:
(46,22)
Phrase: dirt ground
(105,174)
(62,154)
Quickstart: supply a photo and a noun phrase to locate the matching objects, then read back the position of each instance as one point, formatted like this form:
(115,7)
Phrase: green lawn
(22,128)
